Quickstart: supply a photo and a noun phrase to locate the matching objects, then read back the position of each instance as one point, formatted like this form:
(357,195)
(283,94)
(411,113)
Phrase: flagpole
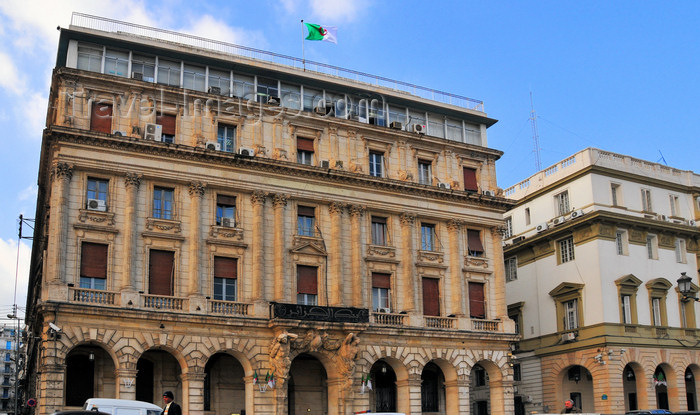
(303,58)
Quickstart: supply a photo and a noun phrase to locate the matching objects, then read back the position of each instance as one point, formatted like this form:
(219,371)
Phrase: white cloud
(33,107)
(8,264)
(28,193)
(207,26)
(9,75)
(338,10)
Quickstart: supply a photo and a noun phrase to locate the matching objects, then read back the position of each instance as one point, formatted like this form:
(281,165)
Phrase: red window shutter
(226,200)
(306,211)
(160,272)
(225,267)
(93,260)
(101,118)
(431,297)
(168,123)
(470,179)
(305,144)
(476,300)
(380,280)
(474,241)
(307,281)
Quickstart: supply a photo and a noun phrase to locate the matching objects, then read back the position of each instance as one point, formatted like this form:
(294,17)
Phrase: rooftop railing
(115,26)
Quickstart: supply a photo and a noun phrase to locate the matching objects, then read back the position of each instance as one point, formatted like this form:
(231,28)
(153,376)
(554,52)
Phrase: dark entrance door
(144,380)
(80,378)
(385,389)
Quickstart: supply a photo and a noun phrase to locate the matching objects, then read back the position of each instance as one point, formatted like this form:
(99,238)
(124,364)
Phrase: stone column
(193,389)
(279,202)
(196,190)
(409,280)
(335,257)
(414,394)
(126,383)
(258,249)
(132,181)
(249,394)
(61,175)
(456,306)
(499,291)
(50,388)
(357,273)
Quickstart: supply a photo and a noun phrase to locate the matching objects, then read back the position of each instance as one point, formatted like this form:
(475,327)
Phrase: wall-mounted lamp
(162,326)
(684,286)
(91,356)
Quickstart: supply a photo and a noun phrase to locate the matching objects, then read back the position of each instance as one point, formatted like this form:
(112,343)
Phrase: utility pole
(535,135)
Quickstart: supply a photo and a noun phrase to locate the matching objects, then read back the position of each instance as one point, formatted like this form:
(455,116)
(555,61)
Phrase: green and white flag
(325,33)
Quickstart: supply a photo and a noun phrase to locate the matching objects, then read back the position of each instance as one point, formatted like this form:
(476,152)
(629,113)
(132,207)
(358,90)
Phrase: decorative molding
(454,224)
(279,200)
(62,171)
(196,188)
(357,210)
(132,179)
(430,257)
(164,225)
(97,217)
(226,232)
(476,262)
(258,197)
(381,251)
(336,208)
(407,219)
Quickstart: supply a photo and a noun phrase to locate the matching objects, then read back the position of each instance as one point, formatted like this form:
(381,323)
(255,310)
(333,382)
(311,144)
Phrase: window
(475,248)
(168,72)
(379,231)
(161,266)
(646,200)
(97,189)
(306,221)
(562,203)
(511,269)
(571,314)
(8,346)
(305,150)
(431,296)
(425,175)
(267,88)
(381,289)
(193,77)
(566,250)
(477,301)
(7,359)
(675,205)
(427,237)
(226,137)
(93,266)
(621,242)
(90,57)
(163,203)
(680,250)
(470,183)
(616,194)
(508,228)
(658,292)
(515,313)
(101,117)
(656,312)
(144,65)
(117,63)
(626,309)
(568,299)
(225,210)
(220,79)
(652,247)
(527,216)
(517,372)
(307,285)
(168,123)
(225,275)
(479,376)
(627,290)
(376,164)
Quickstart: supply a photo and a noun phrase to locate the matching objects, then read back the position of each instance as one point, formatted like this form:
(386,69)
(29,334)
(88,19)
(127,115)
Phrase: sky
(622,76)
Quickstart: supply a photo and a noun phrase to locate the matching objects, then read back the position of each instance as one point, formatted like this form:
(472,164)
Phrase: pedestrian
(569,408)
(171,408)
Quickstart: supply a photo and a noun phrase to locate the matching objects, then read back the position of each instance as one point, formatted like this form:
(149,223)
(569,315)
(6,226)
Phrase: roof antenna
(662,158)
(535,135)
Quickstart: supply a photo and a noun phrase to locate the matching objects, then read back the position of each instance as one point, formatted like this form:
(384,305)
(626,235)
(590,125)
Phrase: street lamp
(684,283)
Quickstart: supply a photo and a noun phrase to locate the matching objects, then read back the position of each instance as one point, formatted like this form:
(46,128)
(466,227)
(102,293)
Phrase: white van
(122,407)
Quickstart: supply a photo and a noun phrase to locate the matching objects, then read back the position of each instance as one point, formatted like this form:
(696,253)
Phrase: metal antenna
(535,135)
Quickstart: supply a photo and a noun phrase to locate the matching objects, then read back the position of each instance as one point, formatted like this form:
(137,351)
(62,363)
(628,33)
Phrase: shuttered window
(160,272)
(431,296)
(380,280)
(305,144)
(307,282)
(470,179)
(93,260)
(168,123)
(474,242)
(476,300)
(225,274)
(101,118)
(225,267)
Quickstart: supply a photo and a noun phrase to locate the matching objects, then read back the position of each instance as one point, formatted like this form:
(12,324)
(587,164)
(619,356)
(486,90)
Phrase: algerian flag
(318,32)
(271,381)
(369,383)
(255,377)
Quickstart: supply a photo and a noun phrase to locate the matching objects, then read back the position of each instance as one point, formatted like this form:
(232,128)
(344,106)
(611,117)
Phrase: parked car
(648,412)
(121,407)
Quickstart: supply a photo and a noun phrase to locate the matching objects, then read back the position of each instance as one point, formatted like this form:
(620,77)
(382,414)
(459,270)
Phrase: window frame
(658,293)
(381,291)
(306,224)
(306,298)
(562,294)
(674,203)
(425,172)
(381,228)
(222,205)
(647,205)
(163,213)
(474,243)
(652,246)
(226,142)
(226,282)
(97,194)
(428,237)
(88,269)
(508,226)
(680,251)
(566,253)
(376,163)
(627,286)
(621,242)
(511,268)
(562,203)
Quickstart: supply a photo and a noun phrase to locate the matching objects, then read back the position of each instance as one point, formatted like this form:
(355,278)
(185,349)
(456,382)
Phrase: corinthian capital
(258,197)
(357,210)
(335,207)
(407,219)
(197,189)
(279,200)
(63,171)
(132,179)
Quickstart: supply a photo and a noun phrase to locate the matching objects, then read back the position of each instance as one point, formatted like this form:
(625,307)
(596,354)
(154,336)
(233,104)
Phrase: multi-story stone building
(594,249)
(9,354)
(210,216)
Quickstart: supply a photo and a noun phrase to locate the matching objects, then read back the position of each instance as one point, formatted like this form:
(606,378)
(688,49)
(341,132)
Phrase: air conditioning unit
(273,100)
(679,221)
(227,222)
(213,145)
(518,239)
(384,310)
(692,222)
(418,128)
(97,204)
(137,75)
(119,133)
(214,90)
(576,214)
(444,185)
(363,120)
(489,193)
(325,164)
(542,227)
(396,125)
(568,337)
(663,218)
(559,220)
(245,151)
(153,132)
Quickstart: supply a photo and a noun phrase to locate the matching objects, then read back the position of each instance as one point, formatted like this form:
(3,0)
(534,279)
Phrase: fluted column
(357,242)
(196,190)
(456,286)
(61,176)
(132,181)
(336,261)
(279,202)
(258,249)
(409,281)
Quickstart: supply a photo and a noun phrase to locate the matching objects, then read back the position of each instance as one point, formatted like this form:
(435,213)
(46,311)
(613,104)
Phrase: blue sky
(623,76)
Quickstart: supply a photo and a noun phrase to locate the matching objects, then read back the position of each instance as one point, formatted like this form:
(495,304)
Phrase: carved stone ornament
(381,251)
(63,171)
(357,210)
(405,175)
(476,262)
(197,189)
(164,225)
(96,217)
(279,356)
(132,179)
(279,154)
(258,197)
(454,224)
(346,359)
(407,219)
(226,232)
(336,208)
(430,257)
(279,200)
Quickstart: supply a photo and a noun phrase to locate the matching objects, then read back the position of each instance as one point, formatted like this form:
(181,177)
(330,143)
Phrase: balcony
(319,313)
(228,308)
(389,319)
(440,322)
(164,302)
(82,295)
(485,325)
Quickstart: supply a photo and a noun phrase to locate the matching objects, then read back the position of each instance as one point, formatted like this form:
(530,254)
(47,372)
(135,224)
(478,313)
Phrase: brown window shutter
(380,280)
(306,211)
(101,118)
(470,179)
(93,260)
(474,241)
(168,123)
(160,272)
(226,200)
(225,267)
(476,300)
(377,219)
(307,281)
(431,297)
(305,144)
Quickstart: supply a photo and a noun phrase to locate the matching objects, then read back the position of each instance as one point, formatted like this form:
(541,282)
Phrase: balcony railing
(82,295)
(389,319)
(228,308)
(440,322)
(164,303)
(485,325)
